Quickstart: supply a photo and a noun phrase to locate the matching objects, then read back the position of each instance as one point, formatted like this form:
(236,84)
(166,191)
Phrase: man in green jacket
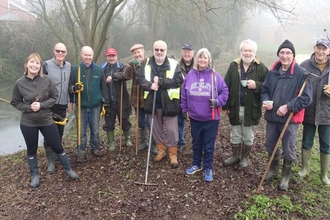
(244,79)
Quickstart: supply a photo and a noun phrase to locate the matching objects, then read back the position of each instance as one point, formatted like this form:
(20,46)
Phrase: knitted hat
(287,44)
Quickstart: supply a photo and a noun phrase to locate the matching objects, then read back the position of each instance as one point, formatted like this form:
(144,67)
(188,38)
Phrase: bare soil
(107,186)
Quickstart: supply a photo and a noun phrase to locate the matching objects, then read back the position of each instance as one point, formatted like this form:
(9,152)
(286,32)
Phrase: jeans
(203,135)
(181,121)
(309,134)
(91,117)
(143,119)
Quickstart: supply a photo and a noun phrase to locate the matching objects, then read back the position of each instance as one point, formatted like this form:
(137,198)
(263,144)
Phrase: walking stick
(149,145)
(212,95)
(79,114)
(121,114)
(280,138)
(137,120)
(216,89)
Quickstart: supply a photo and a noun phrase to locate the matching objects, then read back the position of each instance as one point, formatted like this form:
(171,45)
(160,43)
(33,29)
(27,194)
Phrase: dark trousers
(61,111)
(31,136)
(143,118)
(309,134)
(203,135)
(110,120)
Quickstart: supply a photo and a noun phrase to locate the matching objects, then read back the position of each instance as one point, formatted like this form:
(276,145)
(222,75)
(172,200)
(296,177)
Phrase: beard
(248,60)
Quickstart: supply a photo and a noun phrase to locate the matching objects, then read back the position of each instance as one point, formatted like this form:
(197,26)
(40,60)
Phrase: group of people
(167,92)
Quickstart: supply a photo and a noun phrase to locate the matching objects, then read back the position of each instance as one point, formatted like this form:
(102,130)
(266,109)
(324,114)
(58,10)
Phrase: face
(203,61)
(247,53)
(160,51)
(60,52)
(321,52)
(187,55)
(33,66)
(139,54)
(112,59)
(286,57)
(87,55)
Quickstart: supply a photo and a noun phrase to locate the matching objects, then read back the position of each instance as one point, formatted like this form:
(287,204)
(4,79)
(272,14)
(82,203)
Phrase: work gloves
(213,103)
(105,111)
(326,90)
(135,63)
(78,87)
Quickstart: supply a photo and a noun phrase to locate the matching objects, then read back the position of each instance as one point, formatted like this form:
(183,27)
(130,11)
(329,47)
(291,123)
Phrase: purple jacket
(196,93)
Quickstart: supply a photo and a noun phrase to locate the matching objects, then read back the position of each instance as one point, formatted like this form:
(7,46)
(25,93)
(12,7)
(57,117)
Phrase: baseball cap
(111,51)
(187,46)
(136,46)
(323,41)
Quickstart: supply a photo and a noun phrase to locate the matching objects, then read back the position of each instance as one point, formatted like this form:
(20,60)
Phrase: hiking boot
(193,169)
(97,152)
(208,175)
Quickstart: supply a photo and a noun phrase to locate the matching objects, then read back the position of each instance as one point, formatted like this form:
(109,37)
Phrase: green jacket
(253,104)
(95,90)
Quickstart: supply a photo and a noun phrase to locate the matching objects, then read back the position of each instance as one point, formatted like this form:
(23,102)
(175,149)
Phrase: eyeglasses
(286,53)
(60,51)
(161,50)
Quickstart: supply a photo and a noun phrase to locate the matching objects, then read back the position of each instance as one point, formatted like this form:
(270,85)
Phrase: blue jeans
(143,119)
(203,135)
(91,117)
(181,121)
(309,134)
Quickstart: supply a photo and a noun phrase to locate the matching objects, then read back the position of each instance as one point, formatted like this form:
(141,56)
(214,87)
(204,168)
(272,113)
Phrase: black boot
(50,160)
(143,139)
(274,166)
(66,165)
(33,165)
(286,173)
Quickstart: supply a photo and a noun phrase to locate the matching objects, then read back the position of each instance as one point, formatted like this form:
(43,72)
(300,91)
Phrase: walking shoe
(97,153)
(208,175)
(193,169)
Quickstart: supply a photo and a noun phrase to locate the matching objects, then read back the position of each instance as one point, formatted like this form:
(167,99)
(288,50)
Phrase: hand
(154,87)
(213,103)
(35,106)
(267,106)
(135,63)
(156,80)
(282,110)
(108,79)
(106,107)
(78,87)
(326,90)
(251,84)
(69,108)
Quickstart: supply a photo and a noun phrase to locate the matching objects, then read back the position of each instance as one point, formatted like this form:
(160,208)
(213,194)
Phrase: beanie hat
(287,44)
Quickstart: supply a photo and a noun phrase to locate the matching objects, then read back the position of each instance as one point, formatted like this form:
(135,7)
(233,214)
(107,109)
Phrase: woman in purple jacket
(202,95)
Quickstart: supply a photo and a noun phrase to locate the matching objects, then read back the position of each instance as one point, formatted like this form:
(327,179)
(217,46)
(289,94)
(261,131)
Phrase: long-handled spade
(149,146)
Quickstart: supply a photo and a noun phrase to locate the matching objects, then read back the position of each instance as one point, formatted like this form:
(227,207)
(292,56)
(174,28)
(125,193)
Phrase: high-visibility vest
(172,93)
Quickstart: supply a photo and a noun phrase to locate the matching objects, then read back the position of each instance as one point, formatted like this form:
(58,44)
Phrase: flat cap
(136,46)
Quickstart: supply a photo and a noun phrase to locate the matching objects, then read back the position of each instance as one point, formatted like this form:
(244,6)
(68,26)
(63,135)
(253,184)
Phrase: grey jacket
(318,112)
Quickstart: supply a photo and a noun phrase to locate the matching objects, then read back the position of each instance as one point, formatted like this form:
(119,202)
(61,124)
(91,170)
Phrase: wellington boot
(286,173)
(50,160)
(325,161)
(143,139)
(305,161)
(235,158)
(274,167)
(66,165)
(154,148)
(111,140)
(33,165)
(161,152)
(127,136)
(81,155)
(173,154)
(245,156)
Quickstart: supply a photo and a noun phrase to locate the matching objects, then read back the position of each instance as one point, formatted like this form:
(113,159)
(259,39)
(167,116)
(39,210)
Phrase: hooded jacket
(318,112)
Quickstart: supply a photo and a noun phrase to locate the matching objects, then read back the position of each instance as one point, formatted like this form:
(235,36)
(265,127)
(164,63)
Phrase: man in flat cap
(282,85)
(317,114)
(138,101)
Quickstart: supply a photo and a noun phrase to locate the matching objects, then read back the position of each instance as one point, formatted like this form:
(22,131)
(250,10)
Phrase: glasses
(161,50)
(285,53)
(60,51)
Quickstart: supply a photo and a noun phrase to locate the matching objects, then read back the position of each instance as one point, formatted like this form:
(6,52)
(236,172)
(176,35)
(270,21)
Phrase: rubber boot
(274,167)
(245,156)
(33,165)
(127,136)
(286,173)
(325,161)
(143,139)
(111,140)
(64,160)
(50,160)
(306,162)
(236,149)
(154,147)
(161,152)
(173,154)
(81,155)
